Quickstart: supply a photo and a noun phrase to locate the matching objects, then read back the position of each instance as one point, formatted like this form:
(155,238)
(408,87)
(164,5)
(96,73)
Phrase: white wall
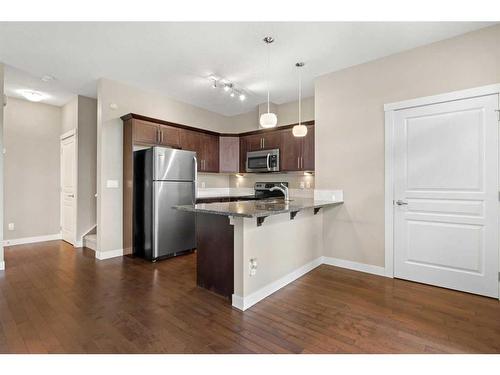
(69,116)
(2,265)
(350,129)
(31,169)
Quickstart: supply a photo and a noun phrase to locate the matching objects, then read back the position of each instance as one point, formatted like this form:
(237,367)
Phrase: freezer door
(173,165)
(174,230)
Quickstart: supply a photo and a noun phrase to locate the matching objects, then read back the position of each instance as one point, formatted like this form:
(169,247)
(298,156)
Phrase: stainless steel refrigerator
(163,178)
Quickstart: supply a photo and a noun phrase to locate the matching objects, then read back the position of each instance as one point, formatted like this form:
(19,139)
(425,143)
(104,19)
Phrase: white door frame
(389,154)
(68,134)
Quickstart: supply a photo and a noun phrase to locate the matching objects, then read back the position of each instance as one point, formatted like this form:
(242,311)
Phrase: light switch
(112,184)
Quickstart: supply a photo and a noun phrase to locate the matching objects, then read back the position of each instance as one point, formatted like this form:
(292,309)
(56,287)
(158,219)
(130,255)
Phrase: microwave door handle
(267,162)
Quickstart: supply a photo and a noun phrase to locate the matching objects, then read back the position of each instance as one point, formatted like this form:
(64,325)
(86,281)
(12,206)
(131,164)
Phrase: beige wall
(69,115)
(31,185)
(1,166)
(350,129)
(87,161)
(109,145)
(288,113)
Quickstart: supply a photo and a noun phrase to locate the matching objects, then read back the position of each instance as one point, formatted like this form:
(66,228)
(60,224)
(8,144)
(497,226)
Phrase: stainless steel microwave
(263,161)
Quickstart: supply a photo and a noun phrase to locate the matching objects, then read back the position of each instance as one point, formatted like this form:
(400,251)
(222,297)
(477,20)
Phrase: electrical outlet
(302,184)
(252,265)
(308,184)
(203,184)
(12,226)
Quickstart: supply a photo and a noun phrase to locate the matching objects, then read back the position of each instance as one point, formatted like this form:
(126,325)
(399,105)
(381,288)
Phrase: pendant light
(269,119)
(300,130)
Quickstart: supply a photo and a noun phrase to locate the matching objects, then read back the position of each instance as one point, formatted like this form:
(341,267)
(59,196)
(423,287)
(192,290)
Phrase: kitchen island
(247,250)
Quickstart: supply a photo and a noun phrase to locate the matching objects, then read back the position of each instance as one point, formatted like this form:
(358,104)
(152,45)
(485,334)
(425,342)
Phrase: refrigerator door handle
(195,179)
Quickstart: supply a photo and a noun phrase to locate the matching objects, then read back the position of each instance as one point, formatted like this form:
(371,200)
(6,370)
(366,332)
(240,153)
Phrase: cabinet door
(191,141)
(169,136)
(210,153)
(243,155)
(229,151)
(308,150)
(253,142)
(145,132)
(290,151)
(271,140)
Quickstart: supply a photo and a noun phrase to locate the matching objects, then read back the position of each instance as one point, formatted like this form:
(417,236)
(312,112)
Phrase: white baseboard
(25,240)
(362,267)
(2,265)
(243,303)
(102,255)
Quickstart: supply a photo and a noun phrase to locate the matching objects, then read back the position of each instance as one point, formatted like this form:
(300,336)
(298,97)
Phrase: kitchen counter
(257,208)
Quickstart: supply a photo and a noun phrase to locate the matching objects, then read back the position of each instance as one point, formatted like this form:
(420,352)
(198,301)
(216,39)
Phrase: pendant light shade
(269,119)
(300,130)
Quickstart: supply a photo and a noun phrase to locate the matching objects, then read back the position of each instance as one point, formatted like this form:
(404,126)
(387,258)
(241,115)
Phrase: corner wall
(350,129)
(31,169)
(2,263)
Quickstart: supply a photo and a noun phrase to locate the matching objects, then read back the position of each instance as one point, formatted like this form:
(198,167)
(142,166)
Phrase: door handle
(267,162)
(401,203)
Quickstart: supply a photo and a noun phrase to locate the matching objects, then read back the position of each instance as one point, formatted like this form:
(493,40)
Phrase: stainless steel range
(265,190)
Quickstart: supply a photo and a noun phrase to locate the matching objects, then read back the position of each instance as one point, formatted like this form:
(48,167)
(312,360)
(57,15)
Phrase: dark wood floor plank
(57,299)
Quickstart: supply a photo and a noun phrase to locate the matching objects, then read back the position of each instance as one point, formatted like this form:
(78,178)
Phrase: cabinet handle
(301,162)
(263,143)
(298,162)
(161,136)
(157,135)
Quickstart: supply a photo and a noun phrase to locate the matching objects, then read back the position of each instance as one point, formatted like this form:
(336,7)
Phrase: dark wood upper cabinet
(290,151)
(271,140)
(253,142)
(308,150)
(210,153)
(144,132)
(297,153)
(169,136)
(243,155)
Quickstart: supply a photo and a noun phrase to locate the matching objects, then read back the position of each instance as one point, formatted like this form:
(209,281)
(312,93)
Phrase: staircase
(90,241)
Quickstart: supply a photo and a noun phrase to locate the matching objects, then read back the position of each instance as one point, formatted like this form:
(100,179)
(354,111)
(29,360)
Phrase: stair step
(90,241)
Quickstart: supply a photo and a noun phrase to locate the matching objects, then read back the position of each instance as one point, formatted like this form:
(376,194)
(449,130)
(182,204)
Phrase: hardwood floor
(55,299)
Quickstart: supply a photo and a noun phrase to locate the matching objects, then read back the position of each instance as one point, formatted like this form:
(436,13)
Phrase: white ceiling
(176,58)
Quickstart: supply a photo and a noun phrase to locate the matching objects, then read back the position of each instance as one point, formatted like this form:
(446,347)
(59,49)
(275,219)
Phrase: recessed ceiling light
(33,96)
(232,94)
(242,97)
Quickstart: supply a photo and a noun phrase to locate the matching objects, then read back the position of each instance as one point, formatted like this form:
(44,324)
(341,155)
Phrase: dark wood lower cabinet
(215,254)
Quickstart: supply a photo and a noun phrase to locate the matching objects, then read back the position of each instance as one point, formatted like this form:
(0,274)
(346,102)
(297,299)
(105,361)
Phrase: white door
(68,205)
(446,182)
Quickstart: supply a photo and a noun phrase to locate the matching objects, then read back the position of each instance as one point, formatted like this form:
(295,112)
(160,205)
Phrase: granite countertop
(257,208)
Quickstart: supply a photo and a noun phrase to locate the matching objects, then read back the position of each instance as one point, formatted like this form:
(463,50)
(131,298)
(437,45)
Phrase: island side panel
(215,254)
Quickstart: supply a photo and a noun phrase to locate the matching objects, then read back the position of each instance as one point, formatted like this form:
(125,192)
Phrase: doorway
(68,187)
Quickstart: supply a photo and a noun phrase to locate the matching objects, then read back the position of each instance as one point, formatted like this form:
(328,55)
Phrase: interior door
(446,193)
(68,189)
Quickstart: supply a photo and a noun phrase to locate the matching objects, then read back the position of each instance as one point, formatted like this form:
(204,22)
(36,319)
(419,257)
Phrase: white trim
(389,194)
(79,242)
(361,267)
(243,303)
(446,97)
(2,265)
(25,240)
(390,109)
(102,255)
(68,134)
